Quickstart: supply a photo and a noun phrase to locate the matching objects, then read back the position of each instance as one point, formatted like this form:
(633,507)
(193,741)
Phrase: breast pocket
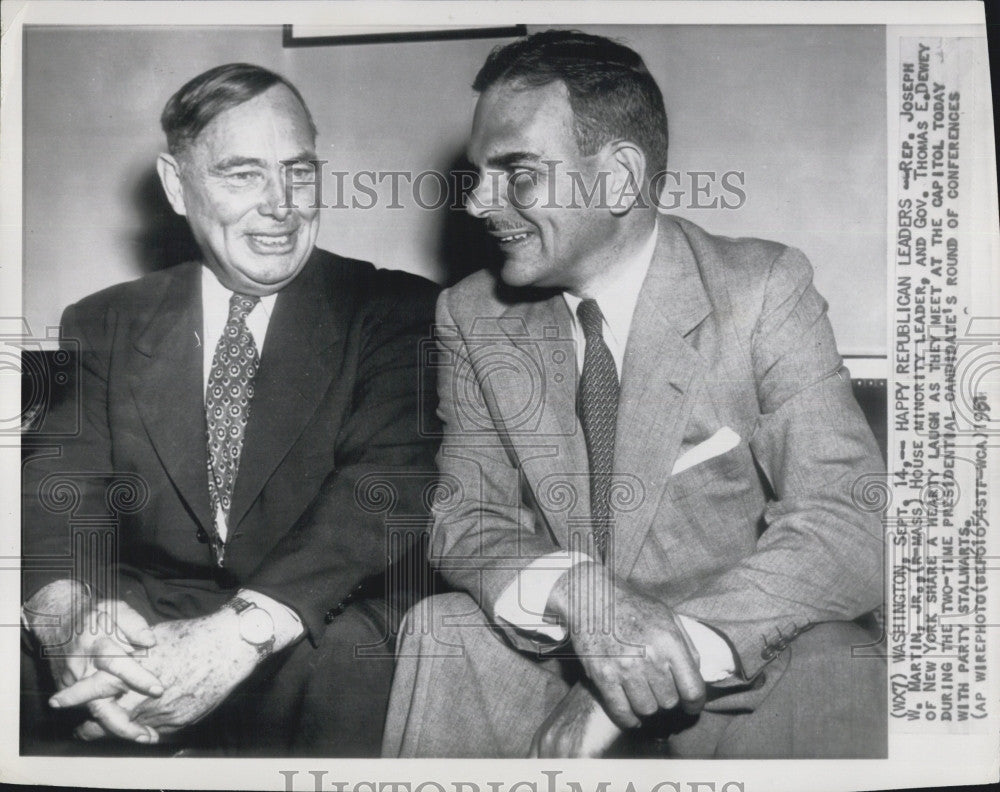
(729,466)
(709,506)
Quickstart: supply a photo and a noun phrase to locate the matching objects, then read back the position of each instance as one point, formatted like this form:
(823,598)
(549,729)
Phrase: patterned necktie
(227,406)
(597,403)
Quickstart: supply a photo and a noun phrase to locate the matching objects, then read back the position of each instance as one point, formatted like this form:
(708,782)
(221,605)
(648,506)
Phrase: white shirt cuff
(716,658)
(522,603)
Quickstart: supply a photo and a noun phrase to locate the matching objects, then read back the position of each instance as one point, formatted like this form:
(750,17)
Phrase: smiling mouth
(273,243)
(510,238)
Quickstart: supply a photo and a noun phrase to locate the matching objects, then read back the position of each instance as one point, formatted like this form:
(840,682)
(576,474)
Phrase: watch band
(239,604)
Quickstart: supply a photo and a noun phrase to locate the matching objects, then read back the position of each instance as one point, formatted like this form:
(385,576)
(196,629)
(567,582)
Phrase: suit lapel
(549,442)
(295,371)
(660,373)
(166,384)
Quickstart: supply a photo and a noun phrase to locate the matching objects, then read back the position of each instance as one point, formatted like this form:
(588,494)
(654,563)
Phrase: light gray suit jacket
(759,542)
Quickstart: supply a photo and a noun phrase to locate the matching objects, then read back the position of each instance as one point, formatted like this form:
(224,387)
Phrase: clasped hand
(634,652)
(184,670)
(93,649)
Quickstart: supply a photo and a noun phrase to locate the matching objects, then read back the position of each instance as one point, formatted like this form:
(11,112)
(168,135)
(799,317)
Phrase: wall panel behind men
(799,111)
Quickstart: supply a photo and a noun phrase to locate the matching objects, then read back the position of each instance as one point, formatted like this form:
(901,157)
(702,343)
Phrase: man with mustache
(245,401)
(655,443)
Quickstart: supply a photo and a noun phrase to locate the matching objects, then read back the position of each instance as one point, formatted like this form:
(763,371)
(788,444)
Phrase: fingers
(90,730)
(115,674)
(110,718)
(127,669)
(574,735)
(687,680)
(551,742)
(641,697)
(664,690)
(667,676)
(690,688)
(99,685)
(548,748)
(125,623)
(616,702)
(144,711)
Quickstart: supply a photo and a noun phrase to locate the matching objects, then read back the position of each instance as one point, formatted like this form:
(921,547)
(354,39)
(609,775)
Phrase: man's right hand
(631,646)
(111,632)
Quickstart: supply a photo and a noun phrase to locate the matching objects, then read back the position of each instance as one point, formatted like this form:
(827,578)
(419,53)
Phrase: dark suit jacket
(336,416)
(758,542)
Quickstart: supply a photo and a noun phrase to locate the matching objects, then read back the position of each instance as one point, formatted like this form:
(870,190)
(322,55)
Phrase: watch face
(256,626)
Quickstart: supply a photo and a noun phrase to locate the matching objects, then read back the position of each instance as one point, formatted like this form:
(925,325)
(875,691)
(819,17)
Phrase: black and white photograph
(486,381)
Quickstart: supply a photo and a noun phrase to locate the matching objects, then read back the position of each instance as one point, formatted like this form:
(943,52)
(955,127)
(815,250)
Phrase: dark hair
(201,99)
(611,91)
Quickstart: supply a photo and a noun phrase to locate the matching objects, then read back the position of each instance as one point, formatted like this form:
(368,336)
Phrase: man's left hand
(577,728)
(199,661)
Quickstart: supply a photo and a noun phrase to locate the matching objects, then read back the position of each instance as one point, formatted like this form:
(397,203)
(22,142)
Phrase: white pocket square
(722,441)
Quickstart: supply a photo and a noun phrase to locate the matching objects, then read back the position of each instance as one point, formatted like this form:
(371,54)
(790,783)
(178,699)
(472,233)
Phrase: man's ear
(628,170)
(169,170)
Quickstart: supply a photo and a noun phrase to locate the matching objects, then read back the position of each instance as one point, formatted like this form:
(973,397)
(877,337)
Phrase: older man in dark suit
(655,444)
(247,403)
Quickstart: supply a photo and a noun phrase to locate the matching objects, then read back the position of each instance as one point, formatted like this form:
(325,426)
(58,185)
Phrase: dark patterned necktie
(597,403)
(227,406)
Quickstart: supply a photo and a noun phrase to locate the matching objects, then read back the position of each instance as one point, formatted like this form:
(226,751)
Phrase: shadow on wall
(464,246)
(163,237)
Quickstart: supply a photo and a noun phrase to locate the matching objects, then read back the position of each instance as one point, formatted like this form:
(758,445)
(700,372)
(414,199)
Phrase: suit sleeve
(485,534)
(820,557)
(384,449)
(67,466)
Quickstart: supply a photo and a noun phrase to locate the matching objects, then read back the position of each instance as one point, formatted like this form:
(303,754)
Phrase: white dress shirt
(523,602)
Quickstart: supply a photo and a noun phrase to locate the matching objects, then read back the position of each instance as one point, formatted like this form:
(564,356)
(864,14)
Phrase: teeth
(514,237)
(271,241)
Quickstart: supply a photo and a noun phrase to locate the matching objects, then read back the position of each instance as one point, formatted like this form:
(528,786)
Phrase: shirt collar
(215,294)
(618,299)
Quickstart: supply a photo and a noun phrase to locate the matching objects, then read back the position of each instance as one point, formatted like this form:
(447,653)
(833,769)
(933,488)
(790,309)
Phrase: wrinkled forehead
(272,123)
(511,117)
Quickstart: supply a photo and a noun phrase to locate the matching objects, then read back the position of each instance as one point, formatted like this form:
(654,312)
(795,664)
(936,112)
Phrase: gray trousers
(461,690)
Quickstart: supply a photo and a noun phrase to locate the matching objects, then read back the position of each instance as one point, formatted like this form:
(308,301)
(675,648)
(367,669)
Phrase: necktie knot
(591,319)
(240,306)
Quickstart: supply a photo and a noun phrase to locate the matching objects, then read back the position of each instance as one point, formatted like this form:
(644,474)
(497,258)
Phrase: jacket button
(334,612)
(202,536)
(768,653)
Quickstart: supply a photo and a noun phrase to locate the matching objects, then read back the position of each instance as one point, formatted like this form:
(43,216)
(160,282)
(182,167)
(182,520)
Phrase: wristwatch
(256,625)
